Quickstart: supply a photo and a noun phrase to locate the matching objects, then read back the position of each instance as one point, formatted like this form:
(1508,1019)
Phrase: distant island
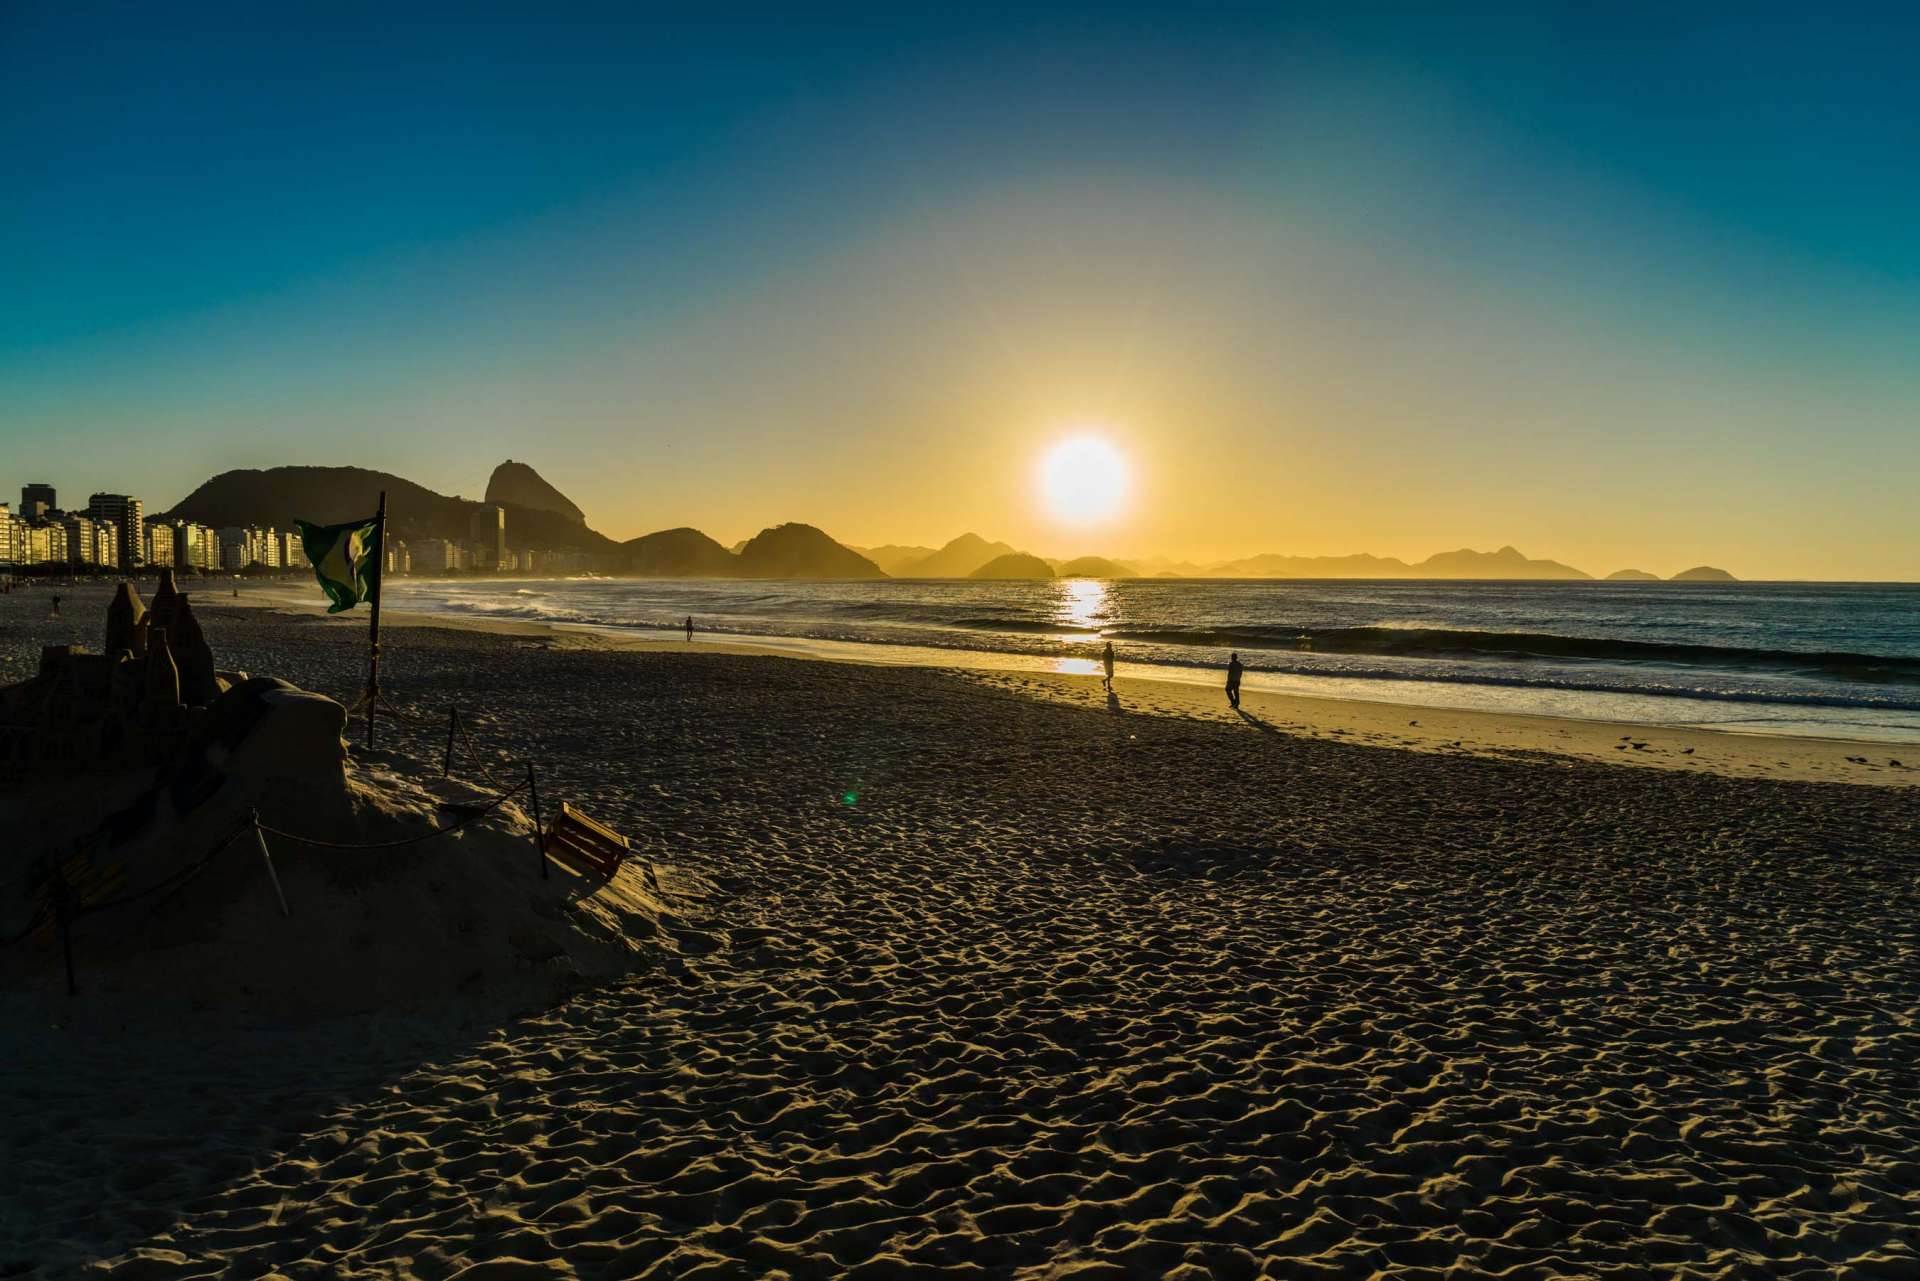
(1014,565)
(535,528)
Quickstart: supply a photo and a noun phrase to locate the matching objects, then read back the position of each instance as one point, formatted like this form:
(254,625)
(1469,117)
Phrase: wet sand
(1001,982)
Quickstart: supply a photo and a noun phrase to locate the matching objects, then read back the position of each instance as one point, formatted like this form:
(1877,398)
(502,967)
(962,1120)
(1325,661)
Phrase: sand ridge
(1007,987)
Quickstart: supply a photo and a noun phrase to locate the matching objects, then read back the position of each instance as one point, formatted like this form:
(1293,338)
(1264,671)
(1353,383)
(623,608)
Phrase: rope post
(539,843)
(267,858)
(446,762)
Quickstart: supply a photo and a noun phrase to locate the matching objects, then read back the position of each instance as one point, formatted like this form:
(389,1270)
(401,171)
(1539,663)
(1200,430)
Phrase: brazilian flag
(346,559)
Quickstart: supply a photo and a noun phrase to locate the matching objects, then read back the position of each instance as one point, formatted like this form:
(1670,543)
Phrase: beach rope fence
(65,904)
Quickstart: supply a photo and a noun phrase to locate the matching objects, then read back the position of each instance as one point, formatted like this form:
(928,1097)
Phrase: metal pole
(267,858)
(446,762)
(373,633)
(539,842)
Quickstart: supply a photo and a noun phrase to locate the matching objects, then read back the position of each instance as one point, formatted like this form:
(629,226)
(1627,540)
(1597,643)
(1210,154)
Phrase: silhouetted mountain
(1704,574)
(1014,565)
(1093,567)
(679,553)
(1505,563)
(278,496)
(1275,566)
(893,558)
(958,559)
(1465,563)
(801,551)
(1632,576)
(522,486)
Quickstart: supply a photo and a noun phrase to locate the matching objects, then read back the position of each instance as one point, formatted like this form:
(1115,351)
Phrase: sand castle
(152,785)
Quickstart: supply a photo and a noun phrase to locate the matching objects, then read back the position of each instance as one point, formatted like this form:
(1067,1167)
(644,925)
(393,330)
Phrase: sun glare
(1083,480)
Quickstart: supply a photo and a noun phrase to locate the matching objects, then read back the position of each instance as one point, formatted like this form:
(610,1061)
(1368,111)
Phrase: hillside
(893,557)
(1465,563)
(278,496)
(678,553)
(958,559)
(519,485)
(1014,565)
(1505,563)
(1704,574)
(1276,566)
(1632,576)
(800,551)
(1094,567)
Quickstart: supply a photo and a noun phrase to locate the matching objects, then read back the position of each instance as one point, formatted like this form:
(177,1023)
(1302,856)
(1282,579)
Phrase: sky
(1619,285)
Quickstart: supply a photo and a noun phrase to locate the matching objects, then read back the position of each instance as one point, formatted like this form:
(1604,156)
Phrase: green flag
(346,559)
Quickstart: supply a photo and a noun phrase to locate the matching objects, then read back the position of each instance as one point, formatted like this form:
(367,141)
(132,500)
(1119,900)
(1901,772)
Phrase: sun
(1083,480)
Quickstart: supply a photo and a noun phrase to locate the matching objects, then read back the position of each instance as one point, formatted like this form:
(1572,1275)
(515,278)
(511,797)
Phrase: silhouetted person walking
(1234,671)
(1106,661)
(689,629)
(55,611)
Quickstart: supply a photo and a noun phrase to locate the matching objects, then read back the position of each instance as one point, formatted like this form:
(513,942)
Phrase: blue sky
(1613,283)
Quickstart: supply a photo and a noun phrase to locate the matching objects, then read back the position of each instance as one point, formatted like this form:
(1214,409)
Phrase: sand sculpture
(135,704)
(147,763)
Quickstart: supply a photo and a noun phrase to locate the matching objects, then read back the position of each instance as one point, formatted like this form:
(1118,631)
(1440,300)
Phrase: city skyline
(1617,290)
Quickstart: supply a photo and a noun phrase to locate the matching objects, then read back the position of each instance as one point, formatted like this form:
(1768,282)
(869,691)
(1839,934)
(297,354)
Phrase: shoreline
(1142,689)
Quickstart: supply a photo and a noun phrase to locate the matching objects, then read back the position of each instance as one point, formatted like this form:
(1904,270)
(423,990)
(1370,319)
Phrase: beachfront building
(127,515)
(489,530)
(236,547)
(443,556)
(195,547)
(46,544)
(37,503)
(159,549)
(293,553)
(13,537)
(399,559)
(92,543)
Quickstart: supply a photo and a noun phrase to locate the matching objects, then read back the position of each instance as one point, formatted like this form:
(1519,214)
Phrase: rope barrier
(492,805)
(180,877)
(40,919)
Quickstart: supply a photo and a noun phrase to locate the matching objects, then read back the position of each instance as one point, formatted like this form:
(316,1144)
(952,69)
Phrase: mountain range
(540,517)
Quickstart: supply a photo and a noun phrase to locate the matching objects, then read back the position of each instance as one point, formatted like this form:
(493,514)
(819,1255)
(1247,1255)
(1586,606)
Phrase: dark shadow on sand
(1265,727)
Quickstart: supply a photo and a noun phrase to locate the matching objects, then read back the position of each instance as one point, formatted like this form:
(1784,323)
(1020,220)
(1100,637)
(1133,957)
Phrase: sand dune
(1000,986)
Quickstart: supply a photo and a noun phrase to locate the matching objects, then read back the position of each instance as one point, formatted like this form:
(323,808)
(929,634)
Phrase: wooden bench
(587,848)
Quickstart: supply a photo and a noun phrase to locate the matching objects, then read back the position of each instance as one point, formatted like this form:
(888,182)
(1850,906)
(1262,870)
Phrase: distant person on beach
(1106,661)
(689,629)
(1234,671)
(55,611)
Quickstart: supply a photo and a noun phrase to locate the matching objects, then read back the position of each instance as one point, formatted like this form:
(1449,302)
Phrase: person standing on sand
(689,629)
(55,612)
(1234,671)
(1106,661)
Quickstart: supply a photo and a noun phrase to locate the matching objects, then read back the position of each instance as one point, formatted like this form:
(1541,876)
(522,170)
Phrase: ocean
(1833,659)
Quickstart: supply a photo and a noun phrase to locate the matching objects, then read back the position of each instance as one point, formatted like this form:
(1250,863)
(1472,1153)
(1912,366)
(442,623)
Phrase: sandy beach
(998,978)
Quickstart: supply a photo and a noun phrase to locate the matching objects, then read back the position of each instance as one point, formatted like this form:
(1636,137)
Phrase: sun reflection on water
(1080,604)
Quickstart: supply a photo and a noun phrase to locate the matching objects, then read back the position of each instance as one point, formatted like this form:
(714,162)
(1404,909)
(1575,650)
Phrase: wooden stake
(539,846)
(267,858)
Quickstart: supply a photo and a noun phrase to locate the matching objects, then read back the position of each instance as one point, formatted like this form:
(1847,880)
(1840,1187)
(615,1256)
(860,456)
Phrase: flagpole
(373,631)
